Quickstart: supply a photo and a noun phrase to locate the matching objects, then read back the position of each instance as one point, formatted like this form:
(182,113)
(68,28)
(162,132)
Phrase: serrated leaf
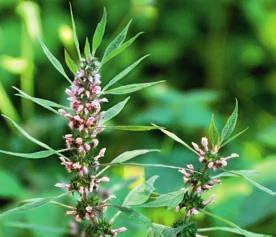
(141,193)
(70,62)
(213,132)
(130,88)
(30,205)
(170,200)
(57,65)
(232,230)
(134,128)
(230,125)
(99,33)
(47,104)
(75,37)
(34,155)
(116,42)
(113,111)
(174,137)
(128,155)
(87,50)
(122,74)
(238,229)
(120,49)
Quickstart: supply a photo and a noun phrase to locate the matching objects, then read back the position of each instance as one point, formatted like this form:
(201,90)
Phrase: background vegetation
(209,52)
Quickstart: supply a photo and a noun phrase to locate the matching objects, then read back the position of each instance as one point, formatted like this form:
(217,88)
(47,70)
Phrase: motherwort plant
(86,120)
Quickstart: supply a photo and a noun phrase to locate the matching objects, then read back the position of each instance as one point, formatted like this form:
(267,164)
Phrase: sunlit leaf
(99,33)
(122,74)
(130,88)
(114,110)
(70,62)
(57,65)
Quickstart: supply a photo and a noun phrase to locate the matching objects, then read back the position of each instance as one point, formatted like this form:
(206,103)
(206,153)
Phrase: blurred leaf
(134,128)
(122,74)
(54,61)
(99,33)
(13,65)
(70,62)
(116,42)
(120,49)
(141,193)
(130,88)
(114,110)
(10,186)
(76,41)
(230,125)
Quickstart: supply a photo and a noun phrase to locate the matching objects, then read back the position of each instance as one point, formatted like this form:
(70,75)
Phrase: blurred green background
(209,52)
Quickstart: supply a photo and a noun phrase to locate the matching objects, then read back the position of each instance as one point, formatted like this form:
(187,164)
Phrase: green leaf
(253,182)
(34,155)
(10,185)
(174,137)
(122,74)
(70,62)
(130,88)
(47,104)
(120,49)
(141,193)
(233,137)
(76,41)
(44,229)
(28,136)
(117,42)
(232,230)
(213,132)
(230,125)
(134,128)
(87,50)
(99,33)
(30,205)
(170,200)
(236,227)
(57,65)
(113,111)
(128,155)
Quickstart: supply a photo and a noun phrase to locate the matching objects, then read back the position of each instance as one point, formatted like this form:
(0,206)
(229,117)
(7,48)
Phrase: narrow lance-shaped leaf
(87,50)
(120,49)
(99,33)
(115,43)
(57,65)
(230,125)
(134,128)
(213,132)
(130,88)
(28,136)
(128,155)
(113,111)
(141,193)
(70,62)
(76,41)
(174,137)
(47,104)
(233,137)
(34,155)
(122,74)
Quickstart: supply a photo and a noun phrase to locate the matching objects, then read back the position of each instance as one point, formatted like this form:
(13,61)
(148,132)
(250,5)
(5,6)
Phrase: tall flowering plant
(86,120)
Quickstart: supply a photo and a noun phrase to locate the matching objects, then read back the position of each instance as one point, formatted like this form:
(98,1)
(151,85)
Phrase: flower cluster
(84,118)
(200,181)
